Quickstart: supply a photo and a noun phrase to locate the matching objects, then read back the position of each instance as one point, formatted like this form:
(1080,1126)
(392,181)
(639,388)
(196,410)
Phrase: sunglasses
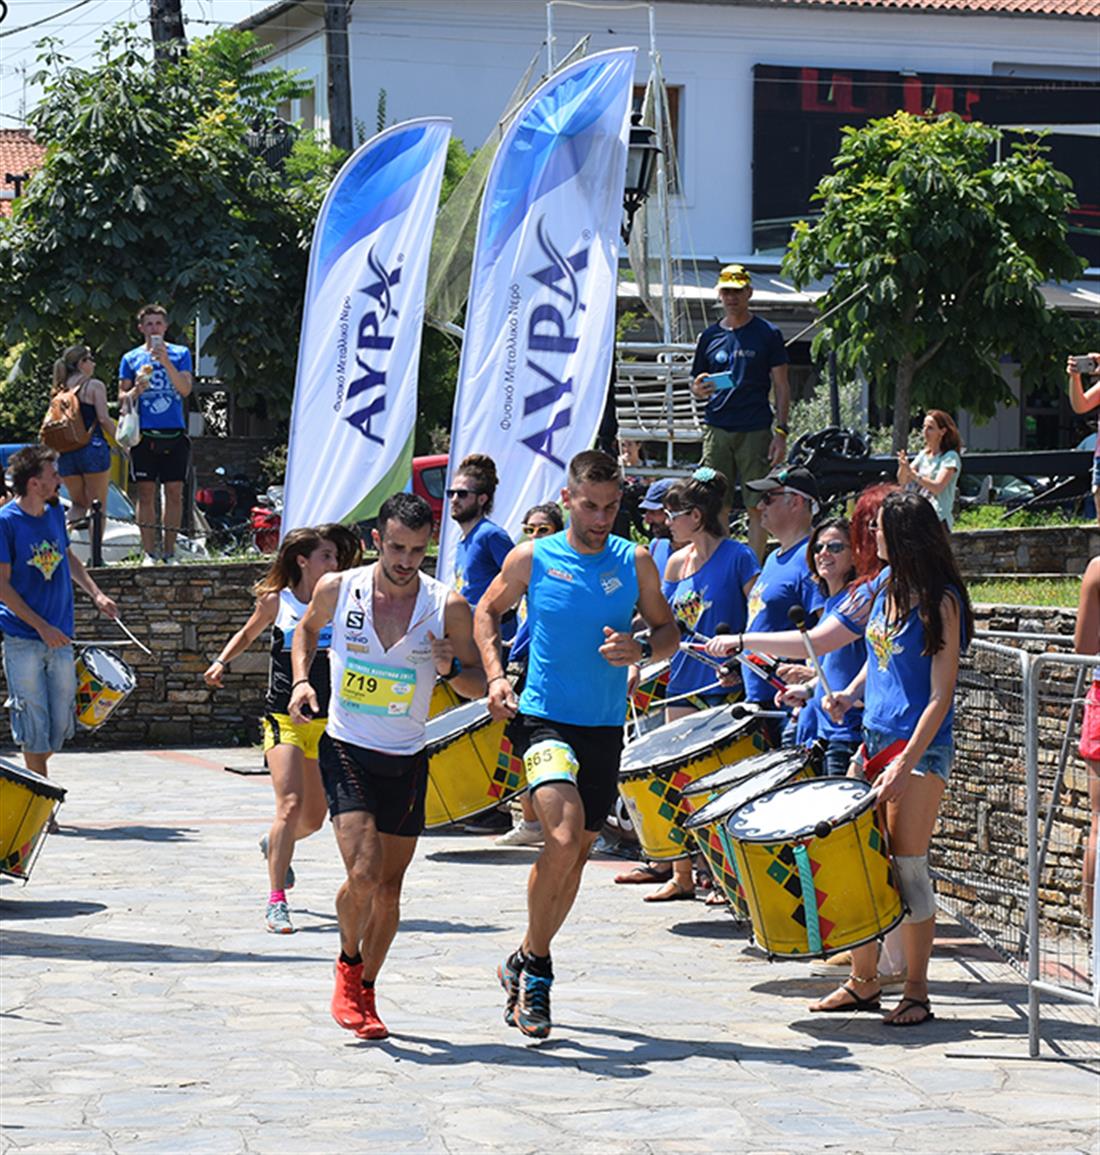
(673,514)
(829,546)
(537,530)
(775,494)
(460,492)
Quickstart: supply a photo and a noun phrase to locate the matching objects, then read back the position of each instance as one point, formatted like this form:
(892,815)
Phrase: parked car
(429,479)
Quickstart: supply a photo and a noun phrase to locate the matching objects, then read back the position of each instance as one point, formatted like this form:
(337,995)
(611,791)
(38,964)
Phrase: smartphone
(156,340)
(721,380)
(1085,365)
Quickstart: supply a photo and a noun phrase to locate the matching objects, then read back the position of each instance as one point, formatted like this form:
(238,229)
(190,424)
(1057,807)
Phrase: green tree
(939,253)
(150,192)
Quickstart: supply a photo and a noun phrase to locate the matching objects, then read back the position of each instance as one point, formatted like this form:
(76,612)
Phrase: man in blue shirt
(156,377)
(484,544)
(739,360)
(582,587)
(37,569)
(656,520)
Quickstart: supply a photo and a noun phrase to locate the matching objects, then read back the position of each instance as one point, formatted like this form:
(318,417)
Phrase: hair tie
(704,473)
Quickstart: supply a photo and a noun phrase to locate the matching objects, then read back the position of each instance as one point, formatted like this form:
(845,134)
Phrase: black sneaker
(509,975)
(532,1011)
(495,822)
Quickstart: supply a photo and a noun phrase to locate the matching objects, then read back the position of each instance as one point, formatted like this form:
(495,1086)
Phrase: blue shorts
(95,457)
(936,759)
(41,694)
(1096,473)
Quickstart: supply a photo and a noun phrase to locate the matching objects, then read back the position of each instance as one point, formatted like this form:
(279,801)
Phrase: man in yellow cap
(739,361)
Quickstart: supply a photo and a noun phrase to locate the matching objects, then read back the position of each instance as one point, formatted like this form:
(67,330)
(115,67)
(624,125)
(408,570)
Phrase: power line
(45,19)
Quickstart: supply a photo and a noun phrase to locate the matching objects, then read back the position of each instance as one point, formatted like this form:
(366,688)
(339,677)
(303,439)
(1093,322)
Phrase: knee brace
(915,884)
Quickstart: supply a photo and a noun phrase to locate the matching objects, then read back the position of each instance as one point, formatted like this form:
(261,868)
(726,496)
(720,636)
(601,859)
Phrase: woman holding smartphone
(1084,398)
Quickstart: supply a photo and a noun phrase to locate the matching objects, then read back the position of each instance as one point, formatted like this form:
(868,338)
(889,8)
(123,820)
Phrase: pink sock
(277,896)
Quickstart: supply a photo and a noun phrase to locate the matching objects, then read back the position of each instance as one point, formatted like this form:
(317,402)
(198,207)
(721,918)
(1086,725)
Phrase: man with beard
(582,587)
(484,544)
(37,569)
(656,521)
(394,630)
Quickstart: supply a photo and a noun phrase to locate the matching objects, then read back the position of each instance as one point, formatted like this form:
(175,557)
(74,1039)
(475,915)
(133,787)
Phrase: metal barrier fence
(1009,849)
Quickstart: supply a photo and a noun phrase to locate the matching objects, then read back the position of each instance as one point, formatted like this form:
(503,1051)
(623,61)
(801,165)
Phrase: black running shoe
(509,975)
(532,1012)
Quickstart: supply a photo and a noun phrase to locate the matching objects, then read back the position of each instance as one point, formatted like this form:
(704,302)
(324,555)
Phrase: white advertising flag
(540,321)
(351,427)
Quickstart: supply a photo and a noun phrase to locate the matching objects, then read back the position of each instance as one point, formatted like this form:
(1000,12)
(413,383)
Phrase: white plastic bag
(129,429)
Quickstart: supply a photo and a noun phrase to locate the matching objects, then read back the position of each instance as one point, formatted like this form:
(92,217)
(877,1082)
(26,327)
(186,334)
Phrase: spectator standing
(739,360)
(1086,640)
(656,521)
(484,544)
(156,377)
(1085,398)
(934,472)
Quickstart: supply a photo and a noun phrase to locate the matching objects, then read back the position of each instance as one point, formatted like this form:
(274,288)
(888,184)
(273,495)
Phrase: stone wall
(1003,552)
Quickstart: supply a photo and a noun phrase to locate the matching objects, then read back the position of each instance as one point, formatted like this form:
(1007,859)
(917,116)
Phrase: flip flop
(858,1003)
(678,893)
(645,873)
(909,1004)
(716,898)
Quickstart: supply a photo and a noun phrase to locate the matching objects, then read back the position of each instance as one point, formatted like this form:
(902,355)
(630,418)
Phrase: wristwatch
(646,647)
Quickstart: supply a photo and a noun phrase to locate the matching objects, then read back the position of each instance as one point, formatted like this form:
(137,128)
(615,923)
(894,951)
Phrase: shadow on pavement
(137,833)
(608,1062)
(11,907)
(724,928)
(442,926)
(34,944)
(504,854)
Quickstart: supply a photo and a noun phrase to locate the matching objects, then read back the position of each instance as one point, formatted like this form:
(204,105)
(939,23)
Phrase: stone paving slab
(144,1009)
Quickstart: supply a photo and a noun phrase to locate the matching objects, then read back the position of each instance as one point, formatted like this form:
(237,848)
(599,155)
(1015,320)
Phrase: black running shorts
(161,459)
(391,787)
(598,750)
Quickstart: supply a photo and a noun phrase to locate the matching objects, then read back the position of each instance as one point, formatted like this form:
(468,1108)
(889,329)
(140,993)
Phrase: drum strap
(809,897)
(873,767)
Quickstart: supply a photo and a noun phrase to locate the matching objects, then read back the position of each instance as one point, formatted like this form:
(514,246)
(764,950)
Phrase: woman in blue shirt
(915,621)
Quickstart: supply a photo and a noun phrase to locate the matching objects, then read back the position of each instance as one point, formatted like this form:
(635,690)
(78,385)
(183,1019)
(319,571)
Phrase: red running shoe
(373,1027)
(348,1007)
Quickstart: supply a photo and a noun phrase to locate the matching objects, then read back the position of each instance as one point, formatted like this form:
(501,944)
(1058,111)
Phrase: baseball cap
(793,477)
(655,494)
(734,277)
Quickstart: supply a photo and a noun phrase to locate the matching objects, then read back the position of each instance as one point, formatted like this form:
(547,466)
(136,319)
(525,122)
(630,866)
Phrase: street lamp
(641,164)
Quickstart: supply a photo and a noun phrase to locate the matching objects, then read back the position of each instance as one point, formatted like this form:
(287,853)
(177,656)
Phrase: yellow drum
(707,825)
(652,688)
(103,682)
(443,698)
(815,867)
(471,767)
(657,768)
(27,802)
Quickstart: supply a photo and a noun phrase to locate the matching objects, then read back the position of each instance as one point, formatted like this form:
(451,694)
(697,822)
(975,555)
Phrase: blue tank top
(570,598)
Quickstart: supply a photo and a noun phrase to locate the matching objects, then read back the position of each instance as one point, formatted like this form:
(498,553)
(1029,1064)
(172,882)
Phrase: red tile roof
(1080,8)
(19,155)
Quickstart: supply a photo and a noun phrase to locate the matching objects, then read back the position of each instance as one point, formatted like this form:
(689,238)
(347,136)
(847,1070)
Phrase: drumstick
(122,626)
(797,616)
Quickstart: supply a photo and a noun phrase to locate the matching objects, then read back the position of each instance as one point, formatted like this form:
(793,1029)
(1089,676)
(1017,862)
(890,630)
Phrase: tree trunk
(903,390)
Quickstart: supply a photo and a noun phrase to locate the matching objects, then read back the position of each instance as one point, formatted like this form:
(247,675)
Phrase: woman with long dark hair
(282,596)
(915,618)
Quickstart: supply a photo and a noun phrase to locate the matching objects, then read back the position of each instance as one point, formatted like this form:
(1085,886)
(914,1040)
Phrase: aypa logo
(372,349)
(551,329)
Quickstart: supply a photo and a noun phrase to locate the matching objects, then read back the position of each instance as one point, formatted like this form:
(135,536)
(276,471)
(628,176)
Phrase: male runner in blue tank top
(582,586)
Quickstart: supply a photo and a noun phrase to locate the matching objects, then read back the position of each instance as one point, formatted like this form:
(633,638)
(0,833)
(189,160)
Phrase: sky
(78,23)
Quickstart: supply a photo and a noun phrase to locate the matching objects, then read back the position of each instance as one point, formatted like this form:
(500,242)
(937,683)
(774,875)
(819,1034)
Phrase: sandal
(908,1005)
(646,873)
(717,898)
(858,1003)
(672,891)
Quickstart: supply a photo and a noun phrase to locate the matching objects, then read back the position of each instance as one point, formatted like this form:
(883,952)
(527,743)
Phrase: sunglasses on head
(460,492)
(672,514)
(537,530)
(829,546)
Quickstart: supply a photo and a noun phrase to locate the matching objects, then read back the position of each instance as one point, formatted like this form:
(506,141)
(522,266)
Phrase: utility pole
(166,23)
(339,74)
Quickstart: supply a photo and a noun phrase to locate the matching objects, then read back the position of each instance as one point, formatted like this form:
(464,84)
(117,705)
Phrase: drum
(443,698)
(657,768)
(815,867)
(707,824)
(27,802)
(103,682)
(471,767)
(652,688)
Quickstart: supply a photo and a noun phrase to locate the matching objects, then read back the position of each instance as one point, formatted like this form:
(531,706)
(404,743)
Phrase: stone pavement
(144,1009)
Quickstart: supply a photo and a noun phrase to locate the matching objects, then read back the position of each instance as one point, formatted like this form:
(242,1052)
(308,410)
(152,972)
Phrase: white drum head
(653,671)
(453,723)
(736,772)
(736,796)
(793,812)
(108,668)
(679,741)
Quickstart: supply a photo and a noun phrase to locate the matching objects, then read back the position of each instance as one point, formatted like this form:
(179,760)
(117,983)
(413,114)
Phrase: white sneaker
(522,835)
(148,560)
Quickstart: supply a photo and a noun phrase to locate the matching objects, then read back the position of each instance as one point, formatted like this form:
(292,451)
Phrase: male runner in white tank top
(393,630)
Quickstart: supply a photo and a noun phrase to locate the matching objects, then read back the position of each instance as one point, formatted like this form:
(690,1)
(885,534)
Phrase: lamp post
(641,164)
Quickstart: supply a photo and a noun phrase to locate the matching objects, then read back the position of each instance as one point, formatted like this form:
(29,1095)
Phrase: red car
(429,480)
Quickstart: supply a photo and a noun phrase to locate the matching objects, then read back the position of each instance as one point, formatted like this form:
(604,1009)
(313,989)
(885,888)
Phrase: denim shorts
(1096,473)
(41,694)
(95,457)
(936,759)
(838,753)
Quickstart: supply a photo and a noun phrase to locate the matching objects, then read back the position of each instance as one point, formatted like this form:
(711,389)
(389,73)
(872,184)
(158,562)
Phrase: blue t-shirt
(840,667)
(748,354)
(161,405)
(37,548)
(570,598)
(478,559)
(660,549)
(785,581)
(714,595)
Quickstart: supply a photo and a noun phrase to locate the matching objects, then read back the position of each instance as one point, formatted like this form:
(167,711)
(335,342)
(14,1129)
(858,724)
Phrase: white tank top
(380,698)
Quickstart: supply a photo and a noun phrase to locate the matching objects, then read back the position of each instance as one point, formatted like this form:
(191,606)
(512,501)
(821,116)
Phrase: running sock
(517,960)
(351,960)
(539,965)
(277,896)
